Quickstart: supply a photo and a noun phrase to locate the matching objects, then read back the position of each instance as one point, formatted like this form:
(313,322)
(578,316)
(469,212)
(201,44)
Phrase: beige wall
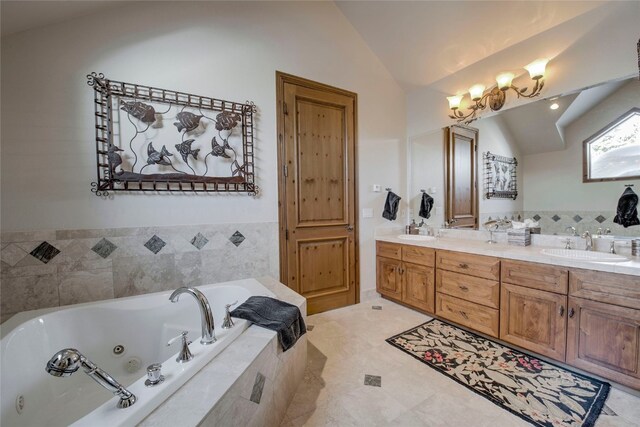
(228,50)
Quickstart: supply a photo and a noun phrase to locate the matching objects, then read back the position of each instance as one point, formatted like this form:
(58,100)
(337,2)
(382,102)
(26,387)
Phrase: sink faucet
(206,316)
(588,239)
(66,362)
(573,230)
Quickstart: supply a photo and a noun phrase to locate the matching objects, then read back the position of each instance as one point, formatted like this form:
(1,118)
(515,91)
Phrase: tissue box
(519,237)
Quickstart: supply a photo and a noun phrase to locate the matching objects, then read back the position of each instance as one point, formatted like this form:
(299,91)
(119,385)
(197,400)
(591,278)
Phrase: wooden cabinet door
(418,288)
(534,319)
(389,280)
(461,175)
(604,339)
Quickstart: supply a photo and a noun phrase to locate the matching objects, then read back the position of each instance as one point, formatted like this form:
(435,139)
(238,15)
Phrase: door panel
(321,152)
(419,286)
(604,339)
(389,280)
(461,188)
(534,320)
(318,222)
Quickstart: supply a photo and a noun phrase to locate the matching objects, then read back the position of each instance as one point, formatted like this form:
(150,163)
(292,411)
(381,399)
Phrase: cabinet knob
(463,266)
(561,310)
(572,313)
(463,287)
(464,315)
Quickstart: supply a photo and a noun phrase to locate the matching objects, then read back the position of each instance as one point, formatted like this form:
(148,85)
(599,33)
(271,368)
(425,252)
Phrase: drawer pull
(463,266)
(572,313)
(463,287)
(464,315)
(561,310)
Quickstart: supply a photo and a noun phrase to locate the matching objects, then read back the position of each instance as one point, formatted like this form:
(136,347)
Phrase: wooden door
(604,339)
(418,286)
(534,320)
(461,176)
(318,221)
(389,279)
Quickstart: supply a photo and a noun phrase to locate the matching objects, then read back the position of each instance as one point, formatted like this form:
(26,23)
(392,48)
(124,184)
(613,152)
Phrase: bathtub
(122,336)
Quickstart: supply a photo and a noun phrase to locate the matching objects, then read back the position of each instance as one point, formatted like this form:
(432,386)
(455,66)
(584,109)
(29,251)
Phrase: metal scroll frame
(490,190)
(105,90)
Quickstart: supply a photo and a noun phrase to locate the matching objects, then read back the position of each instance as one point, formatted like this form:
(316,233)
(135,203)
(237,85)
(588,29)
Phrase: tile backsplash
(59,267)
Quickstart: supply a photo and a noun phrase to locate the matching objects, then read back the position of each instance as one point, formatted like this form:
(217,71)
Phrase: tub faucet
(588,239)
(68,361)
(206,316)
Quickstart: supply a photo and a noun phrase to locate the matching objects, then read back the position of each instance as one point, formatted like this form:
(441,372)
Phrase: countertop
(502,250)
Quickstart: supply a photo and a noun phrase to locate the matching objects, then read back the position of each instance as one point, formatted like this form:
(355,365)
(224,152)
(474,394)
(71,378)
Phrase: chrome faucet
(66,362)
(573,230)
(206,316)
(588,239)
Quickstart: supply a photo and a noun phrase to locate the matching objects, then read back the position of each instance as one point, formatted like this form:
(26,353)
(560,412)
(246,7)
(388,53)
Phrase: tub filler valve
(228,322)
(154,375)
(66,362)
(185,354)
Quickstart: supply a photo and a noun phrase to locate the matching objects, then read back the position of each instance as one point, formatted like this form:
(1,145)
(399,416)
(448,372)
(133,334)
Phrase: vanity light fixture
(496,97)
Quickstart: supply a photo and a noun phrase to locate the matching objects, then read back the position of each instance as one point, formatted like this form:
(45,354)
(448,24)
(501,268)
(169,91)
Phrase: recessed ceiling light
(554,106)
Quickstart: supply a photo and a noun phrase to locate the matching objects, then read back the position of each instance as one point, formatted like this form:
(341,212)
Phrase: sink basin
(416,237)
(583,255)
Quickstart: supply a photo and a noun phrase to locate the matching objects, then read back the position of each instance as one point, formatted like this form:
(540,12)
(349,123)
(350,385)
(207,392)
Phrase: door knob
(349,227)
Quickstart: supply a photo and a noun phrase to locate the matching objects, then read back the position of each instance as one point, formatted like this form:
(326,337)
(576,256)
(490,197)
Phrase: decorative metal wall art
(500,176)
(150,139)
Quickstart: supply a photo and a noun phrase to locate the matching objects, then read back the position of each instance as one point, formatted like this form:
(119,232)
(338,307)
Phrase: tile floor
(347,353)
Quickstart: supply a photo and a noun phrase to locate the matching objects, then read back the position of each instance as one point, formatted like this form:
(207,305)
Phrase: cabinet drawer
(536,276)
(474,289)
(475,265)
(474,316)
(419,255)
(613,288)
(389,250)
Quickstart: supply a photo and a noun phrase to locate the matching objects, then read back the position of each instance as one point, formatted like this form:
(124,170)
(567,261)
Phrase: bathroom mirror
(548,138)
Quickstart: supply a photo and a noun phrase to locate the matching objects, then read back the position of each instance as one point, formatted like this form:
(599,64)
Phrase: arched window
(613,153)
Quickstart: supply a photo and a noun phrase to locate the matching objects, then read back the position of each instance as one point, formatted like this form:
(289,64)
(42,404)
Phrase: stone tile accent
(376,307)
(258,386)
(600,219)
(556,218)
(373,380)
(577,218)
(155,244)
(45,252)
(199,241)
(104,248)
(237,238)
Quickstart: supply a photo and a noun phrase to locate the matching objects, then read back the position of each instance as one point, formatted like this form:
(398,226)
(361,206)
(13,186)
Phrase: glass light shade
(536,68)
(454,101)
(476,92)
(504,80)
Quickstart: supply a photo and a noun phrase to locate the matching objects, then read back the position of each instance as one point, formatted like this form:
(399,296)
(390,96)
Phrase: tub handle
(228,323)
(185,354)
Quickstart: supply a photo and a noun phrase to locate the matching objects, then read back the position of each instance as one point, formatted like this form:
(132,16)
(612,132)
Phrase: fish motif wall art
(152,139)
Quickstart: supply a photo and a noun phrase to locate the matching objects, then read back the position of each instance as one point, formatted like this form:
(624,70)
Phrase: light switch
(367,213)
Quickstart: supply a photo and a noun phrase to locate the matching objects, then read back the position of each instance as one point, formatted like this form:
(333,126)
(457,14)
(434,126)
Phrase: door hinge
(285,110)
(285,170)
(286,234)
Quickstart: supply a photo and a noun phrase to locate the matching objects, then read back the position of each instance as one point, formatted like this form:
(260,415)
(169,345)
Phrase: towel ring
(387,189)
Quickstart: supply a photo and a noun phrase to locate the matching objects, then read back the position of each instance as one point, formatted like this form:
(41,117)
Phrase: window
(613,154)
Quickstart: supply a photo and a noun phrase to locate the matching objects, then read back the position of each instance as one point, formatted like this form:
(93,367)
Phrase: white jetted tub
(122,337)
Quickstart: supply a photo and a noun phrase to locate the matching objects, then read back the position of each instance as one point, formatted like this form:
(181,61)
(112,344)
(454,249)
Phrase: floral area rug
(539,392)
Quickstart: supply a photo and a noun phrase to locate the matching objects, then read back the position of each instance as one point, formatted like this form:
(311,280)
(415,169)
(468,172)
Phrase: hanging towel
(426,204)
(279,316)
(627,213)
(391,206)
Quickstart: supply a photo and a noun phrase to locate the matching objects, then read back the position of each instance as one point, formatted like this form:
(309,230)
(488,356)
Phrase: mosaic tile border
(50,268)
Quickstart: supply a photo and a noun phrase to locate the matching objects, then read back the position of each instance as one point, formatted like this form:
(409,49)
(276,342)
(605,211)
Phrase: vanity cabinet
(468,290)
(405,273)
(588,319)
